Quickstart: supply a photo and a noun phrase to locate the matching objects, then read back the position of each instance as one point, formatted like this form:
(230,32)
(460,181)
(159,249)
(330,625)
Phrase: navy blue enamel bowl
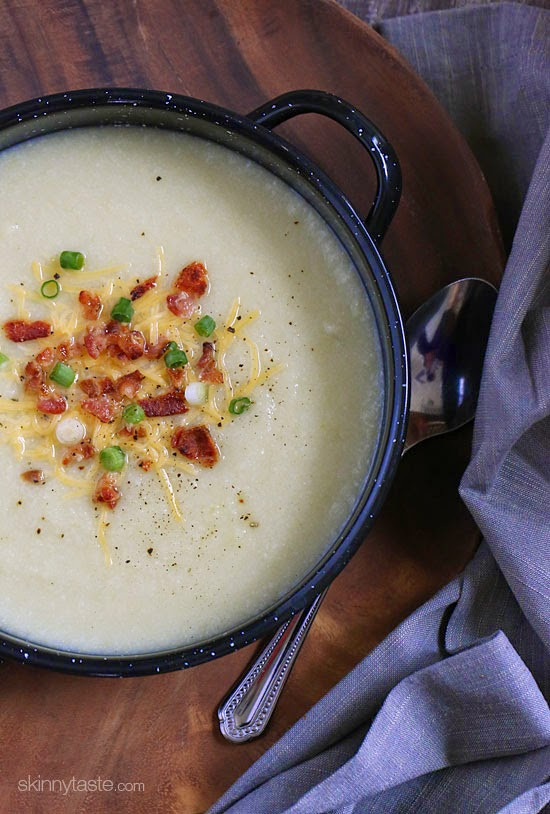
(252,136)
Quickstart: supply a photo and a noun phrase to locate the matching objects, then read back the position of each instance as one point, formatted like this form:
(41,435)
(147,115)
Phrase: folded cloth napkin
(448,713)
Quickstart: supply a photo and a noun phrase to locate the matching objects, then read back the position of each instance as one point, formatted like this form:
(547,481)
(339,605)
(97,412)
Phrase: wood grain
(160,731)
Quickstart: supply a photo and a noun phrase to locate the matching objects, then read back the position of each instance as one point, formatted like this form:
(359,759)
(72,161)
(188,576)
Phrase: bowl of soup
(203,378)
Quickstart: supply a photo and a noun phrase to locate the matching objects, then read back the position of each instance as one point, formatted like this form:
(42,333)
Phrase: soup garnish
(111,378)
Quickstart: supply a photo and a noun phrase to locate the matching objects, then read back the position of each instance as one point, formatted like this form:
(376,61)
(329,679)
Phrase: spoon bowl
(447,337)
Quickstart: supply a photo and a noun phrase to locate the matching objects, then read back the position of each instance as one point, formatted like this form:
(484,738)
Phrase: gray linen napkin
(448,713)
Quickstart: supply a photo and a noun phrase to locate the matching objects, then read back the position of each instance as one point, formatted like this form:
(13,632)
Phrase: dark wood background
(161,731)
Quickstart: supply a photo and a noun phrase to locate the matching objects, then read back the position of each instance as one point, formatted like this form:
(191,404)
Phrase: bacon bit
(80,452)
(107,491)
(117,338)
(133,431)
(142,288)
(52,405)
(36,370)
(45,357)
(181,304)
(34,476)
(132,344)
(96,341)
(193,279)
(129,384)
(19,330)
(146,464)
(172,403)
(67,350)
(208,372)
(35,378)
(91,305)
(114,327)
(157,350)
(177,375)
(103,407)
(97,387)
(197,444)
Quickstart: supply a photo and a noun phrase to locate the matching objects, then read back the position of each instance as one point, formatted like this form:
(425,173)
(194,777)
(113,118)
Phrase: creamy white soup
(191,548)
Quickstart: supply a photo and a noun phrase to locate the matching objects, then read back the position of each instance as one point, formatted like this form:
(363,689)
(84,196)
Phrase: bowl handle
(382,154)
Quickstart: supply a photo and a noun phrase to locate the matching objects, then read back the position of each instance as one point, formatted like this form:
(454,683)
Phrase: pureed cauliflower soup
(191,394)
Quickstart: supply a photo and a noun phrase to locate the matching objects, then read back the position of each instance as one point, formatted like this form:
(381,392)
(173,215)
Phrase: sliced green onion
(123,311)
(133,414)
(112,459)
(196,393)
(70,431)
(238,406)
(3,359)
(174,356)
(205,326)
(63,375)
(71,260)
(50,289)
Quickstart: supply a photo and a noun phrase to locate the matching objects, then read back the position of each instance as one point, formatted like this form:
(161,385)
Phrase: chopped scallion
(133,414)
(175,357)
(112,459)
(63,375)
(238,406)
(123,310)
(196,393)
(71,260)
(205,326)
(3,359)
(50,289)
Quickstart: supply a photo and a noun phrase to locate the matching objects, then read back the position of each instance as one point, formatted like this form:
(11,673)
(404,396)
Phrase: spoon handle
(246,711)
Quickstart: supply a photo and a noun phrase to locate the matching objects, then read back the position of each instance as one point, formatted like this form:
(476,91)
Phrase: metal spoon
(447,338)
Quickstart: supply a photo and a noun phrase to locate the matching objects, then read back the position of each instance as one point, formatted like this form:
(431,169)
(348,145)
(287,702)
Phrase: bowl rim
(388,453)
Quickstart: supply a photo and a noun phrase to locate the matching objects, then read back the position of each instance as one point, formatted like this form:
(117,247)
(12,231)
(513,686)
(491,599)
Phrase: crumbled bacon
(117,338)
(129,384)
(208,372)
(197,444)
(97,387)
(193,279)
(115,327)
(35,374)
(134,431)
(34,476)
(67,350)
(131,344)
(181,304)
(103,407)
(45,357)
(157,350)
(96,341)
(35,378)
(142,288)
(91,305)
(19,330)
(107,491)
(79,452)
(146,464)
(52,405)
(172,403)
(177,376)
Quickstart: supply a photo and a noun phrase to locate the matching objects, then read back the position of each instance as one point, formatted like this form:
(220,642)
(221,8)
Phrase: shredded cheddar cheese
(32,434)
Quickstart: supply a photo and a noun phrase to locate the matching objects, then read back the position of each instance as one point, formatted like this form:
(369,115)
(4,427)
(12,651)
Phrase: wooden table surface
(161,731)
